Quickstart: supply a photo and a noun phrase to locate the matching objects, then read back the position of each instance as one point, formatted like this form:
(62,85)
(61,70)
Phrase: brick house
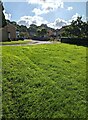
(8,32)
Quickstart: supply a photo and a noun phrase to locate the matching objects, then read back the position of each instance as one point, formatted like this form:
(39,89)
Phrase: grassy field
(44,81)
(15,42)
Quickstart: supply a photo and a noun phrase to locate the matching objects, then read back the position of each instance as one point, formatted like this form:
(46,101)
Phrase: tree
(23,35)
(43,32)
(2,16)
(78,29)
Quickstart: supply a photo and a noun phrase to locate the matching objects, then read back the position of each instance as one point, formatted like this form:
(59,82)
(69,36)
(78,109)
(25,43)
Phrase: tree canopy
(77,29)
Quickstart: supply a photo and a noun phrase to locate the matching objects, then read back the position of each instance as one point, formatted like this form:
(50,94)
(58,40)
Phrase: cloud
(52,5)
(35,1)
(38,20)
(58,23)
(74,17)
(70,8)
(46,5)
(7,15)
(38,11)
(43,1)
(28,20)
(84,18)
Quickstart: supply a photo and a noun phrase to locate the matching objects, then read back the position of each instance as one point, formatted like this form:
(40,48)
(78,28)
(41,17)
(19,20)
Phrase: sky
(54,13)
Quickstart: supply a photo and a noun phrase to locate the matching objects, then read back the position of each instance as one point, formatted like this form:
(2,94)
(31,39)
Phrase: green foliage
(24,34)
(22,28)
(78,29)
(41,31)
(2,16)
(44,81)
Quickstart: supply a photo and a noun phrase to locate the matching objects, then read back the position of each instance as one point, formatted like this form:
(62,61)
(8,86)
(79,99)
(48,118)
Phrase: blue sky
(54,13)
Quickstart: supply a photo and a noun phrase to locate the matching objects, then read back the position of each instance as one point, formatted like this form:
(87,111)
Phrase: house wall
(3,35)
(8,29)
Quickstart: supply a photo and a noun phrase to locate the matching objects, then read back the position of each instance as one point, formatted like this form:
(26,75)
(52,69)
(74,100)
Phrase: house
(52,33)
(8,32)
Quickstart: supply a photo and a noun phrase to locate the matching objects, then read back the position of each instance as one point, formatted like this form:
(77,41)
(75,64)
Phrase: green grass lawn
(15,42)
(44,81)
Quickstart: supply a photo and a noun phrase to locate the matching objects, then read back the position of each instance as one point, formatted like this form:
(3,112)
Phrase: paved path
(32,42)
